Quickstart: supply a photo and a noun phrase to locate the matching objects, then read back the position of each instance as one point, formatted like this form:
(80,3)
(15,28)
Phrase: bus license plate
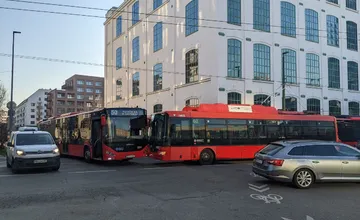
(130,156)
(40,161)
(258,161)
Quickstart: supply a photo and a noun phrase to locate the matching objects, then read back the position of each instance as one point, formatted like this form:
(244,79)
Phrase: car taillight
(276,162)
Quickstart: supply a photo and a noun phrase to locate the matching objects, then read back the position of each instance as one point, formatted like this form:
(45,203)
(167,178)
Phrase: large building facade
(165,54)
(79,93)
(32,110)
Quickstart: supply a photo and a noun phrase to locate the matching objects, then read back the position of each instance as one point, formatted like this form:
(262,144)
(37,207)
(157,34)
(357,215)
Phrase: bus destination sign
(126,112)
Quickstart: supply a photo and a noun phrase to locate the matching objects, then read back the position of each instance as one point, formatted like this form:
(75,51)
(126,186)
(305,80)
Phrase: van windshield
(34,139)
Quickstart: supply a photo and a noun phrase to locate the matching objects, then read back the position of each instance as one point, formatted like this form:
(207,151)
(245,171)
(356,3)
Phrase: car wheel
(7,163)
(87,155)
(303,179)
(207,157)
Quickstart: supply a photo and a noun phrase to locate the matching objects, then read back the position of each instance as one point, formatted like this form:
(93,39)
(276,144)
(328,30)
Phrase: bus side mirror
(103,120)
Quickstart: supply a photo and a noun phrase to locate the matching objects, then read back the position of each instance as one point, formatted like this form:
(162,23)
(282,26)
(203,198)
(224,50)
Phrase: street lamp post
(283,81)
(11,116)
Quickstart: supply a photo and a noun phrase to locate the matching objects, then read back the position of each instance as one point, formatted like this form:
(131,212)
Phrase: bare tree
(3,92)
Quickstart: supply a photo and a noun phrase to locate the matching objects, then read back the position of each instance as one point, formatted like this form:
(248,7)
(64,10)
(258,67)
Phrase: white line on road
(156,168)
(93,171)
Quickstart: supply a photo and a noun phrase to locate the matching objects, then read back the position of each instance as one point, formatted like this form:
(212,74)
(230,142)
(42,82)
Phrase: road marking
(93,171)
(268,199)
(261,188)
(1,176)
(254,175)
(307,218)
(156,168)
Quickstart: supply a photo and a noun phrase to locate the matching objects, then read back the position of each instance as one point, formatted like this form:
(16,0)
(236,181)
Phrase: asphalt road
(144,190)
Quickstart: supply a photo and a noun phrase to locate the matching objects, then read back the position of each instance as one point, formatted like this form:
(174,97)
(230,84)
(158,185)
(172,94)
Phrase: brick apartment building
(79,93)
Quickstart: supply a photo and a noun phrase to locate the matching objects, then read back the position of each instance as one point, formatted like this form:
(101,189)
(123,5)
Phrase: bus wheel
(207,157)
(87,154)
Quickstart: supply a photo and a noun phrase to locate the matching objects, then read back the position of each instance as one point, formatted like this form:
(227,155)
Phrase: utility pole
(283,82)
(11,116)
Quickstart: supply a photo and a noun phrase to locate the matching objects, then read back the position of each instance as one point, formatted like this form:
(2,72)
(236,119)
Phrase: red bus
(106,134)
(349,130)
(223,132)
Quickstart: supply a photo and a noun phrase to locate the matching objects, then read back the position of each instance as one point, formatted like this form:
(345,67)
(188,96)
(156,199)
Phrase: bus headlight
(162,153)
(20,152)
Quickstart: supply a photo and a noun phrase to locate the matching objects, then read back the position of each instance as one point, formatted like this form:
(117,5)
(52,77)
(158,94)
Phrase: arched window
(262,62)
(234,58)
(158,108)
(313,105)
(158,77)
(191,17)
(234,12)
(156,4)
(334,107)
(288,19)
(135,13)
(334,73)
(312,69)
(193,102)
(351,35)
(351,4)
(290,65)
(354,109)
(192,66)
(234,98)
(332,24)
(261,15)
(353,75)
(158,36)
(312,25)
(136,84)
(291,104)
(118,26)
(262,100)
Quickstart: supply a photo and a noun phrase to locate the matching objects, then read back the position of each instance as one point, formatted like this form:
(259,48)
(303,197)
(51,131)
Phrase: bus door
(96,139)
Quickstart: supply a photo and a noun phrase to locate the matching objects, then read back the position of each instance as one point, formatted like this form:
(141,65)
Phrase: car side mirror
(9,144)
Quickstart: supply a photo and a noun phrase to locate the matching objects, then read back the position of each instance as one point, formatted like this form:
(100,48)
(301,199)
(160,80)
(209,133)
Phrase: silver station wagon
(305,162)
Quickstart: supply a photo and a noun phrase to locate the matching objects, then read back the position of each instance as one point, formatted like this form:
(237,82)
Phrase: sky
(53,36)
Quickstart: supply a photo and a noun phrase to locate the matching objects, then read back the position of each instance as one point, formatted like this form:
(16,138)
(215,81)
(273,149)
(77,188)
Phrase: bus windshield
(125,128)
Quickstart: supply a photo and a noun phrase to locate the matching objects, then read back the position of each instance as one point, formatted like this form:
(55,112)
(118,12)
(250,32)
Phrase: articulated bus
(105,134)
(349,130)
(212,132)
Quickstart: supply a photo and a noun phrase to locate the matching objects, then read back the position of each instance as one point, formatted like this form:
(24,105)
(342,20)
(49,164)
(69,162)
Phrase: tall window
(312,69)
(234,11)
(290,65)
(332,24)
(135,13)
(156,4)
(234,58)
(291,104)
(192,66)
(261,15)
(333,1)
(158,36)
(334,73)
(118,89)
(136,84)
(353,75)
(192,102)
(119,58)
(262,62)
(158,108)
(158,76)
(135,49)
(192,17)
(313,105)
(311,25)
(351,35)
(288,19)
(262,100)
(118,26)
(354,109)
(334,107)
(351,4)
(234,98)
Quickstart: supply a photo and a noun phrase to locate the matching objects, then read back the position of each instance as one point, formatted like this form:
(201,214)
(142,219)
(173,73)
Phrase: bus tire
(207,157)
(87,154)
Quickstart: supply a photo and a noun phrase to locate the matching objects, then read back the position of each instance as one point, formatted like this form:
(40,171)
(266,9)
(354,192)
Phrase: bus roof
(348,117)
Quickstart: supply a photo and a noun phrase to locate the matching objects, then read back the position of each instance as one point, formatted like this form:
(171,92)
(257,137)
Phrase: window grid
(332,24)
(313,105)
(136,84)
(261,99)
(135,49)
(193,102)
(290,66)
(311,25)
(334,107)
(135,13)
(288,19)
(158,108)
(351,35)
(156,4)
(334,73)
(351,4)
(118,26)
(312,69)
(353,75)
(158,36)
(192,17)
(119,58)
(262,62)
(234,58)
(234,98)
(234,12)
(192,66)
(291,104)
(158,77)
(354,109)
(261,15)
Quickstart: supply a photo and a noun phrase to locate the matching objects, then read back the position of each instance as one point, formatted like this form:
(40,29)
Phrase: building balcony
(67,86)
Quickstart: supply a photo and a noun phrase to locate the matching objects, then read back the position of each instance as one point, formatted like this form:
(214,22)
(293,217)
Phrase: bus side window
(237,131)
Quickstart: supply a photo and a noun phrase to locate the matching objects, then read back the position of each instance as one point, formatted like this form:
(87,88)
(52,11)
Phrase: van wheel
(87,154)
(14,169)
(207,157)
(303,179)
(7,163)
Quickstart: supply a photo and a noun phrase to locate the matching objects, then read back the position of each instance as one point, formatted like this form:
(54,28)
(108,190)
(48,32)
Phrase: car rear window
(34,139)
(271,149)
